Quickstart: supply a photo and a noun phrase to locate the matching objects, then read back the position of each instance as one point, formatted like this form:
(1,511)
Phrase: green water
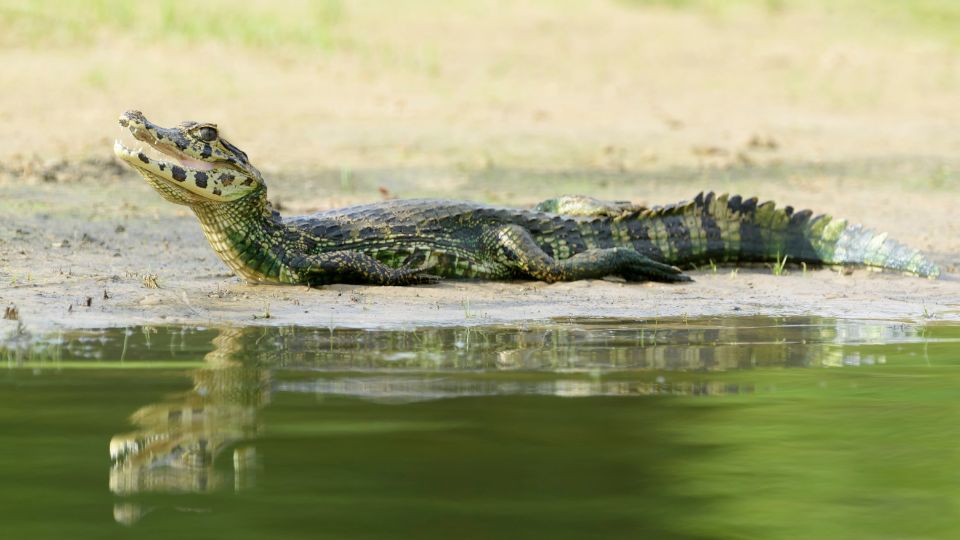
(716,428)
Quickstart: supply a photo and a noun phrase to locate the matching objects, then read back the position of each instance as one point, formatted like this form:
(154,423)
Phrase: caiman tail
(732,229)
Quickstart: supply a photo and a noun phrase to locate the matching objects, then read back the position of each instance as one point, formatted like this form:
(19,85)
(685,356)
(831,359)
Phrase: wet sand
(109,252)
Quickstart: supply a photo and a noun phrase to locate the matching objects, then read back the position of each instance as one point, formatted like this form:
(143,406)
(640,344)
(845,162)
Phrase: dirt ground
(508,106)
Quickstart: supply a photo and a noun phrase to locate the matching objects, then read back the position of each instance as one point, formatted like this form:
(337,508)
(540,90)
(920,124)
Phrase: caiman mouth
(156,151)
(187,163)
(125,147)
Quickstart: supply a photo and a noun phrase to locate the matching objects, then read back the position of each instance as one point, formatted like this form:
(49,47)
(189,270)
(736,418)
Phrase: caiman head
(196,167)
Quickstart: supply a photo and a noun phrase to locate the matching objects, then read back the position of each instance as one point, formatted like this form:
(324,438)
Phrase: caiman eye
(208,134)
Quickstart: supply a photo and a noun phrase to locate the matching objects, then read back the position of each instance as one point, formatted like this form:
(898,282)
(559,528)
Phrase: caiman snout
(133,119)
(135,116)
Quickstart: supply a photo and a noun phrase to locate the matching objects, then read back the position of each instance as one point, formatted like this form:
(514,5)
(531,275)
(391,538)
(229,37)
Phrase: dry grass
(316,23)
(474,87)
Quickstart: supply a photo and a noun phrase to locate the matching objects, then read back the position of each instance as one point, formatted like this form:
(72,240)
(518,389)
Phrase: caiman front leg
(514,247)
(355,267)
(582,205)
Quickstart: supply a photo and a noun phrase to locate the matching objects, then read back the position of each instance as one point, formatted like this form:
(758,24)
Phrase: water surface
(706,428)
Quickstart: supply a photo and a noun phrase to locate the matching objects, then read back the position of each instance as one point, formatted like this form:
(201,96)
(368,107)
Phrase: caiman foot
(359,268)
(411,276)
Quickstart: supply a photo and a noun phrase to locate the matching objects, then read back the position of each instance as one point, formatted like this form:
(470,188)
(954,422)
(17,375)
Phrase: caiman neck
(250,238)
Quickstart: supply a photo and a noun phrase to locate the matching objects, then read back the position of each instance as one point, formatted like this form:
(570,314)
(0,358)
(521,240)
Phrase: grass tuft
(779,267)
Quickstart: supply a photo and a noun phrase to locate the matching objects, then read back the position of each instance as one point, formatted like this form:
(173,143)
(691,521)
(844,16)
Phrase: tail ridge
(734,229)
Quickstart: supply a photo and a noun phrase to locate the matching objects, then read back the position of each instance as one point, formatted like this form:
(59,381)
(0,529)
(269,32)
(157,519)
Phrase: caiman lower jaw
(178,181)
(175,183)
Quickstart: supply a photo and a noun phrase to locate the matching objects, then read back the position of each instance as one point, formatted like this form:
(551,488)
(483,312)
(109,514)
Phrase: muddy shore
(84,250)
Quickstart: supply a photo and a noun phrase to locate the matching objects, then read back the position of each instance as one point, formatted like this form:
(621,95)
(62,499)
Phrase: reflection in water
(178,440)
(177,443)
(402,390)
(568,346)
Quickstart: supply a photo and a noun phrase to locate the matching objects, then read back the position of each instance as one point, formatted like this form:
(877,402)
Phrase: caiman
(402,242)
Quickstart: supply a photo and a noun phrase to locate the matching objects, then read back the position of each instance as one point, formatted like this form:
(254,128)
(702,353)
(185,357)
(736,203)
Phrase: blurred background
(500,100)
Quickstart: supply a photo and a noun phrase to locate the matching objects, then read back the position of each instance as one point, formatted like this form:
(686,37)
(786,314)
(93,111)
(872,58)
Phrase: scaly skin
(418,241)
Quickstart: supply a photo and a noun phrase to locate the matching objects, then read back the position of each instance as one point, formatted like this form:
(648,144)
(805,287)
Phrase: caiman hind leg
(582,205)
(514,247)
(356,267)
